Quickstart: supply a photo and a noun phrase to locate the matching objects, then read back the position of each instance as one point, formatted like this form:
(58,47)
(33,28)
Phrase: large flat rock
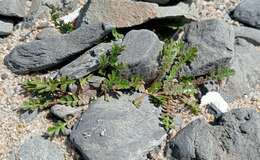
(52,52)
(127,13)
(117,130)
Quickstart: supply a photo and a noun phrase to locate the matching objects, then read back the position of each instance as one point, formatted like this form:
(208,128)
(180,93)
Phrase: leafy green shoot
(167,122)
(221,74)
(117,36)
(57,129)
(60,24)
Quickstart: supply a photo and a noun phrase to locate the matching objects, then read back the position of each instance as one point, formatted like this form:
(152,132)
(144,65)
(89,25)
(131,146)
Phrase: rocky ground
(241,91)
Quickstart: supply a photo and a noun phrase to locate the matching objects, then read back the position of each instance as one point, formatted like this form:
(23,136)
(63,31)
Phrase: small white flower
(71,17)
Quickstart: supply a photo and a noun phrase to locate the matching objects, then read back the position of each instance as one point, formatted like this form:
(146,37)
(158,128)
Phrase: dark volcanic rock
(248,12)
(215,42)
(234,136)
(52,52)
(117,130)
(141,54)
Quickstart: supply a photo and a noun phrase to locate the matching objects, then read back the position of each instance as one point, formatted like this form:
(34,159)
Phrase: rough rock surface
(6,27)
(42,8)
(51,52)
(40,149)
(215,42)
(252,35)
(13,8)
(247,68)
(248,12)
(47,33)
(235,135)
(86,63)
(64,112)
(141,54)
(118,130)
(137,12)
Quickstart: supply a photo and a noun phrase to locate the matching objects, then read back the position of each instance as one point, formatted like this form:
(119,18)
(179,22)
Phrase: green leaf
(155,87)
(117,35)
(69,100)
(167,122)
(57,129)
(222,73)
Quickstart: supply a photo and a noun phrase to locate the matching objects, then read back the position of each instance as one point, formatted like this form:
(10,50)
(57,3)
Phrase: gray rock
(247,71)
(40,149)
(117,130)
(13,8)
(250,34)
(235,135)
(28,116)
(156,1)
(108,12)
(215,42)
(96,81)
(209,86)
(42,8)
(52,52)
(6,27)
(86,63)
(141,54)
(64,112)
(47,33)
(248,12)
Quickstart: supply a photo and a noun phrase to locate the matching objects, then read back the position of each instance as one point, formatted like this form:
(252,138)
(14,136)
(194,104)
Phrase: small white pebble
(216,99)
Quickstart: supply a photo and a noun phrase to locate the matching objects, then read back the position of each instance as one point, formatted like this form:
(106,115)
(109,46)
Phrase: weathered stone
(141,54)
(47,33)
(156,1)
(39,148)
(250,34)
(248,12)
(64,112)
(86,63)
(114,12)
(6,27)
(95,81)
(235,135)
(13,8)
(52,52)
(181,11)
(215,42)
(247,68)
(42,8)
(116,129)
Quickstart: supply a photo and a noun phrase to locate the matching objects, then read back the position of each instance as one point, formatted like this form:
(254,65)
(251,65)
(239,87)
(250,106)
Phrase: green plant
(60,24)
(47,92)
(109,63)
(167,122)
(57,129)
(116,35)
(221,73)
